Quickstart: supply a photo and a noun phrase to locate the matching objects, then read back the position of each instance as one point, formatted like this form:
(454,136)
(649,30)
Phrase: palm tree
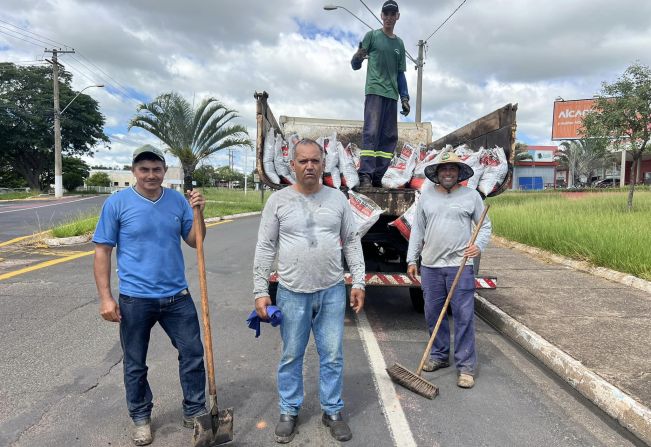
(190,135)
(581,158)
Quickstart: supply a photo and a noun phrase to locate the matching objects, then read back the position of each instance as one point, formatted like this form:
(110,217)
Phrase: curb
(73,240)
(627,411)
(232,216)
(612,275)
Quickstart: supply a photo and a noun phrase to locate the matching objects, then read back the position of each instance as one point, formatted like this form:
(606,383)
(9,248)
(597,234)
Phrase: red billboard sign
(568,118)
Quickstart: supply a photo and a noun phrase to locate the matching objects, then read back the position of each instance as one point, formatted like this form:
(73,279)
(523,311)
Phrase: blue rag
(275,318)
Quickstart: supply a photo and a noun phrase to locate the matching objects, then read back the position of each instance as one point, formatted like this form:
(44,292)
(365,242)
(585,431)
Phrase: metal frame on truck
(385,249)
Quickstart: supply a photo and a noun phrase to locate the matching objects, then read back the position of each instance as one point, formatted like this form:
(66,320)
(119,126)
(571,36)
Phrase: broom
(413,381)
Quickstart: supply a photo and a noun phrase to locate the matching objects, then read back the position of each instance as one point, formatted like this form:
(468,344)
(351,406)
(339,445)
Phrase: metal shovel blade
(213,429)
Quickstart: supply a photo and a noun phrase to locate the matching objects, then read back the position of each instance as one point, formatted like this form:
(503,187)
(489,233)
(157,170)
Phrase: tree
(191,135)
(581,158)
(622,114)
(75,171)
(226,174)
(26,122)
(99,179)
(205,175)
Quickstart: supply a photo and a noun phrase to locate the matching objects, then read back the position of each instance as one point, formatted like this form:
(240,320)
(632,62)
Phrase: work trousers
(178,318)
(379,137)
(436,283)
(322,313)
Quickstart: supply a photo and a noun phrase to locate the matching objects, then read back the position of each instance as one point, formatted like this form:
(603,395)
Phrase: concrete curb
(73,240)
(232,216)
(627,411)
(612,275)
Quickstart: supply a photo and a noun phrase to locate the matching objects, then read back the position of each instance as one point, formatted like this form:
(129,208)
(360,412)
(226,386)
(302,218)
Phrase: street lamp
(58,178)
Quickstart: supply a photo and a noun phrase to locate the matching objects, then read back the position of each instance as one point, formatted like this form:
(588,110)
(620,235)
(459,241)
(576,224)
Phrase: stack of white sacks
(407,169)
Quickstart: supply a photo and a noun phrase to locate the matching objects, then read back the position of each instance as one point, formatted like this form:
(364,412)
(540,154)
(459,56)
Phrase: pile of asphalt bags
(407,170)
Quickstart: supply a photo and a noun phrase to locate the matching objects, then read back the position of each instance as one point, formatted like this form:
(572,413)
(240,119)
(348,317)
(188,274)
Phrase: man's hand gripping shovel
(216,427)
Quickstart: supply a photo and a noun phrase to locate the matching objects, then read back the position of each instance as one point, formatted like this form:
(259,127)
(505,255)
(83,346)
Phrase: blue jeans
(379,136)
(323,313)
(436,283)
(178,318)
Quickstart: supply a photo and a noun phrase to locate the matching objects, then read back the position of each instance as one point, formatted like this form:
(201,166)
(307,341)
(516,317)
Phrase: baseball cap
(148,148)
(390,5)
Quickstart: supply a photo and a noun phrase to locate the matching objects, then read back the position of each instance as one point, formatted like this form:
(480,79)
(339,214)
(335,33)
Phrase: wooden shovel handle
(450,294)
(205,312)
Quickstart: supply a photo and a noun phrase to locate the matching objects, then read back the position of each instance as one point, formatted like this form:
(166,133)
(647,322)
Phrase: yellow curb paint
(218,223)
(21,238)
(45,264)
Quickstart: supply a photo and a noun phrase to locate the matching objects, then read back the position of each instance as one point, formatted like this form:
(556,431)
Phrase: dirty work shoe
(188,421)
(286,428)
(141,434)
(338,428)
(465,381)
(364,182)
(433,365)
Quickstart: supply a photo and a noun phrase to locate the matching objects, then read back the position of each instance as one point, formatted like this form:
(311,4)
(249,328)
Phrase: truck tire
(417,301)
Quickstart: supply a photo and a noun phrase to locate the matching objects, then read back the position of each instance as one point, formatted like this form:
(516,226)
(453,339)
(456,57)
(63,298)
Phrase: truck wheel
(273,290)
(417,301)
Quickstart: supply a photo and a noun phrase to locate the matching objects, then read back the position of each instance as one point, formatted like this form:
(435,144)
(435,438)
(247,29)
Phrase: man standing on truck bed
(385,83)
(308,226)
(440,234)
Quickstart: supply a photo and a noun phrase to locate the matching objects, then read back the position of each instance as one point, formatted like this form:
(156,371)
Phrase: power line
(445,21)
(24,35)
(121,87)
(36,34)
(20,38)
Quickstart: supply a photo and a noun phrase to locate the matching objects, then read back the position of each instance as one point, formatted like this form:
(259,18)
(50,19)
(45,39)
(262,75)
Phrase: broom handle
(450,293)
(205,312)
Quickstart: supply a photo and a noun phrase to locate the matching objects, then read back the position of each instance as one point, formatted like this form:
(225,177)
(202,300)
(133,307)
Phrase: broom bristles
(411,381)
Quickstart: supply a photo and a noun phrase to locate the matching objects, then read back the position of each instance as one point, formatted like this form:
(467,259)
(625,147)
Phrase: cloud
(487,55)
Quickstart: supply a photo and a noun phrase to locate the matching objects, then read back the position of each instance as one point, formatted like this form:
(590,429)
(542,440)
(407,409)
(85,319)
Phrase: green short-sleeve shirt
(386,58)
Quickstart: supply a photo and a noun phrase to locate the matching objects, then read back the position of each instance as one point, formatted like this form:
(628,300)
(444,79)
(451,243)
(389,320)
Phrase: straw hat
(465,171)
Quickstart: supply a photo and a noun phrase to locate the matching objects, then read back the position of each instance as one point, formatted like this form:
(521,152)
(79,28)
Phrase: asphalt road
(24,217)
(62,371)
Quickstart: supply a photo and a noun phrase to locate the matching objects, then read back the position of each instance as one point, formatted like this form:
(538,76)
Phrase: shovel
(216,427)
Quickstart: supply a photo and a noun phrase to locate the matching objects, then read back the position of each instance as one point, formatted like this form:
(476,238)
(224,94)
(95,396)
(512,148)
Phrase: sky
(488,54)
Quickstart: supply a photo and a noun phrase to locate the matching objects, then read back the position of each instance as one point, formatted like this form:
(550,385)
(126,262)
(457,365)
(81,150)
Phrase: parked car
(612,182)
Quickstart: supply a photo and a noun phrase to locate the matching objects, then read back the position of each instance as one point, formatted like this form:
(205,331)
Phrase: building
(121,179)
(539,173)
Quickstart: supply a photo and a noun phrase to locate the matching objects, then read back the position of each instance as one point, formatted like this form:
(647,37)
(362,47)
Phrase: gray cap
(390,5)
(148,148)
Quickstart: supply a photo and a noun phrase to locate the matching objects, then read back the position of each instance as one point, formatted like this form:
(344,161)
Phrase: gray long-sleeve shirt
(307,233)
(442,226)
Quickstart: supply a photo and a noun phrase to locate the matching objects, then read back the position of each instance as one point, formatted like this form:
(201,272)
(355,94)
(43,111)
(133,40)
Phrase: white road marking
(49,204)
(395,416)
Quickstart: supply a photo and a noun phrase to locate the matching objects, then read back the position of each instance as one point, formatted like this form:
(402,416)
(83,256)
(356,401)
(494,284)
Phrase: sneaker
(286,428)
(338,427)
(141,434)
(188,421)
(433,365)
(465,381)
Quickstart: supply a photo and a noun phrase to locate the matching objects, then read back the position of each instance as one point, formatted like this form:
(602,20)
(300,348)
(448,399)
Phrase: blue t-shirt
(147,235)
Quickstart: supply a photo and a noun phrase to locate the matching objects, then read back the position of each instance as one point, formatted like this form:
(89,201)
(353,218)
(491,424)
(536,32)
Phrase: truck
(385,249)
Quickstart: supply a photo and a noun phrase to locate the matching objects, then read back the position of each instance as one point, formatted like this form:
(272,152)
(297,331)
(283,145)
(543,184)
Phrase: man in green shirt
(385,84)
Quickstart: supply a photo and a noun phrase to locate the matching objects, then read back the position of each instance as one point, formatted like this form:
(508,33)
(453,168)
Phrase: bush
(72,181)
(99,179)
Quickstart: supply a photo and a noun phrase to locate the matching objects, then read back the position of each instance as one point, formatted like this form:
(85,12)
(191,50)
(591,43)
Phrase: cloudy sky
(488,54)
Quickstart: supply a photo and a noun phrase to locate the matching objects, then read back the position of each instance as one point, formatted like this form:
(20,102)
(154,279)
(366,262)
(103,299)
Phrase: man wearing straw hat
(442,227)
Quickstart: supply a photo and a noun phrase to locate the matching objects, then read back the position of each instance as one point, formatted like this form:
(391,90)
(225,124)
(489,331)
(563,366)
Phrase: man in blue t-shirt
(146,223)
(385,84)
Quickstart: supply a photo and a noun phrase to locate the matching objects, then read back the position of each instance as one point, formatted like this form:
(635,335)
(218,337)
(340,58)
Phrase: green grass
(18,195)
(83,224)
(590,226)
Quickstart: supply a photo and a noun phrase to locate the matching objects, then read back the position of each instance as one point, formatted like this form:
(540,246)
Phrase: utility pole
(58,178)
(419,85)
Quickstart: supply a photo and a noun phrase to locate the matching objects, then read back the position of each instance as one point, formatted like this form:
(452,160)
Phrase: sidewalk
(599,331)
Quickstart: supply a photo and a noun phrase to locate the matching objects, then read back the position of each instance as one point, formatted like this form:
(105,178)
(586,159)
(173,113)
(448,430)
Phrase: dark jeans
(178,318)
(436,283)
(379,136)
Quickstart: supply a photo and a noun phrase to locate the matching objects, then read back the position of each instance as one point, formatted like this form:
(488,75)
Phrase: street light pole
(419,84)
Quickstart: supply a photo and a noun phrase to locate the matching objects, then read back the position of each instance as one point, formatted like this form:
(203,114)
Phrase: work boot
(286,428)
(364,182)
(465,381)
(433,365)
(338,427)
(141,434)
(188,421)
